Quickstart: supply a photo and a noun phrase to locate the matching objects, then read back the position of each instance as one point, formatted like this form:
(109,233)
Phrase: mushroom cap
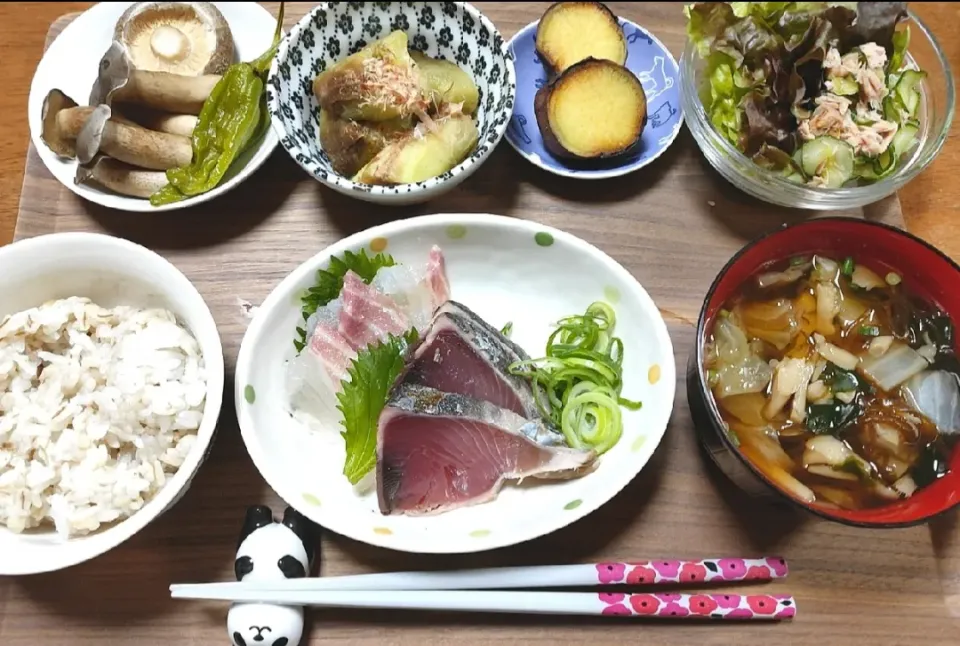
(113,74)
(88,141)
(189,38)
(55,102)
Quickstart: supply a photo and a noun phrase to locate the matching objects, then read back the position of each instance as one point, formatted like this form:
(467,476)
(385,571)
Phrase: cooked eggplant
(426,152)
(570,32)
(596,108)
(445,82)
(351,144)
(378,83)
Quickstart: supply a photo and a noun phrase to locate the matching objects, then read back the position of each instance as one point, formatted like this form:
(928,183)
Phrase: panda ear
(257,516)
(305,530)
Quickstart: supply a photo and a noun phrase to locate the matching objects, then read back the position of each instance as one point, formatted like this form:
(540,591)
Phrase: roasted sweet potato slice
(446,82)
(595,109)
(351,144)
(425,153)
(570,32)
(378,83)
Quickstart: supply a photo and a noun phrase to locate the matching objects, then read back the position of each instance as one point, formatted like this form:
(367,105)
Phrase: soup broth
(836,383)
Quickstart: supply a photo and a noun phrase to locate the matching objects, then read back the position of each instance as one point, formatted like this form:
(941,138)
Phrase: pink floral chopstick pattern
(706,570)
(705,606)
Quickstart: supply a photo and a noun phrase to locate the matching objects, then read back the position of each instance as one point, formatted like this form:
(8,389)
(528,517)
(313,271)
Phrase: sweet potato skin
(542,111)
(552,53)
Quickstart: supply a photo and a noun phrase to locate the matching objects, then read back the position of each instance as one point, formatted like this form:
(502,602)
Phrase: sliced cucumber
(908,92)
(892,110)
(798,157)
(844,86)
(864,169)
(796,178)
(905,138)
(830,158)
(884,163)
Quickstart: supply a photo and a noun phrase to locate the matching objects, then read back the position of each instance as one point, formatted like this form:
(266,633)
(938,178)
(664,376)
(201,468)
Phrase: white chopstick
(538,576)
(545,576)
(667,606)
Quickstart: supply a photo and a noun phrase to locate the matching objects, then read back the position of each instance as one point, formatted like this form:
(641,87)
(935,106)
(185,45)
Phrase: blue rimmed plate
(646,57)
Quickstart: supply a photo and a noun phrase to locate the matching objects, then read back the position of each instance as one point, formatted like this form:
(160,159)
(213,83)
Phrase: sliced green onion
(847,267)
(869,330)
(507,329)
(893,279)
(578,382)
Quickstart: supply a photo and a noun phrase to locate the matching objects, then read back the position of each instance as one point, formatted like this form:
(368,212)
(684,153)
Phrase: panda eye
(238,639)
(242,567)
(291,567)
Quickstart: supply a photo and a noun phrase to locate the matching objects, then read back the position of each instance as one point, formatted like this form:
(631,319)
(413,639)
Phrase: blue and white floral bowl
(646,57)
(455,31)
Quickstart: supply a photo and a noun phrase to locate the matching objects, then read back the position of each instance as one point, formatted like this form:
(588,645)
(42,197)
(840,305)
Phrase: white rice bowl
(112,380)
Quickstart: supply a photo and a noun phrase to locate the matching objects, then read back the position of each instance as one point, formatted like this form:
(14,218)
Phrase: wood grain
(877,587)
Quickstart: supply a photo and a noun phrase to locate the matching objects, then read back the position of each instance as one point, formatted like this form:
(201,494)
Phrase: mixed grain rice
(98,408)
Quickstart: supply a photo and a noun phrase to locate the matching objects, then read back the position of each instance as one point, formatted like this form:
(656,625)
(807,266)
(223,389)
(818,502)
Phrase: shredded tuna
(872,87)
(833,116)
(876,56)
(851,63)
(833,63)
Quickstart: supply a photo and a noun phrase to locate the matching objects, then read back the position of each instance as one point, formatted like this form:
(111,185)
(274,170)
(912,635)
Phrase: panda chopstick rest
(271,551)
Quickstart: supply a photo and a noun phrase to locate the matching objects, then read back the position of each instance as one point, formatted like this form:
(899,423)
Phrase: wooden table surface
(929,205)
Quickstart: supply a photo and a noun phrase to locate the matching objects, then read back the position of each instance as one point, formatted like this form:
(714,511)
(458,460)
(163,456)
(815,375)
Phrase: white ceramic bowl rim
(509,81)
(57,556)
(278,297)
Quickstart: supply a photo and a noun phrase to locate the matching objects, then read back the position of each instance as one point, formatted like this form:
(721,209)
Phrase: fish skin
(493,347)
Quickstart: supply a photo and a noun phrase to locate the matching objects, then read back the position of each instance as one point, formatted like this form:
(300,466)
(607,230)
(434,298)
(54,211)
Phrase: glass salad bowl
(936,110)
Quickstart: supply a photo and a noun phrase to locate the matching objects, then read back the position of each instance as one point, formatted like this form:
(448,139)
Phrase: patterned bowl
(647,58)
(455,31)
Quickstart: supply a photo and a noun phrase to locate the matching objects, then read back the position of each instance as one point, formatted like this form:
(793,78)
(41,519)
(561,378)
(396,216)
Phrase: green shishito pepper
(234,115)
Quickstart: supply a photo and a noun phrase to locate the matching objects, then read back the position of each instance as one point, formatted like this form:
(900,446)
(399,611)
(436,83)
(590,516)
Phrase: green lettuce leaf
(362,398)
(329,282)
(763,61)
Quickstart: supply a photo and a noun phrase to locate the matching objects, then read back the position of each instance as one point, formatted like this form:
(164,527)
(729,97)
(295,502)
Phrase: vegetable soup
(837,383)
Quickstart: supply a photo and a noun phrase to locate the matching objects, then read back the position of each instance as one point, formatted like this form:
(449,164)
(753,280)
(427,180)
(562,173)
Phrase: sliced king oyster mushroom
(121,178)
(131,144)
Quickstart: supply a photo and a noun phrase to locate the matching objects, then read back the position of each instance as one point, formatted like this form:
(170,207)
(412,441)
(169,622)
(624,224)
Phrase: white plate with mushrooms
(145,70)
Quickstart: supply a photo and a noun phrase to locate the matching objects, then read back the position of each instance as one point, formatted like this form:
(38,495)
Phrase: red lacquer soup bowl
(926,273)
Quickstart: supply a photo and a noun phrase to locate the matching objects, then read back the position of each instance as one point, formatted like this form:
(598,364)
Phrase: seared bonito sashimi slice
(438,451)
